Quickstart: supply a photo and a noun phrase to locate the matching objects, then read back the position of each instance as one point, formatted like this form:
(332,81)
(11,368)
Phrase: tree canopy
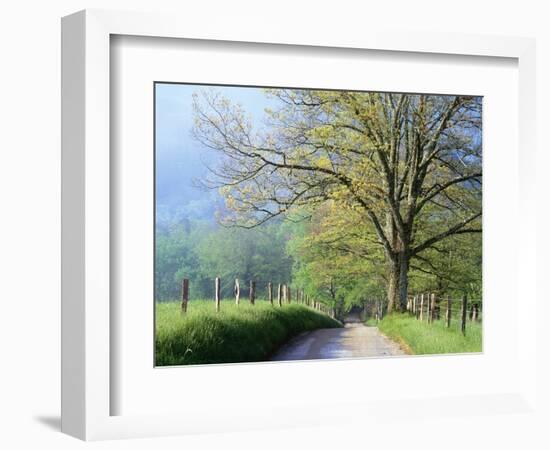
(389,178)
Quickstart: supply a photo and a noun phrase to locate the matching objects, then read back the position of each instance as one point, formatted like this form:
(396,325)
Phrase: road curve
(355,340)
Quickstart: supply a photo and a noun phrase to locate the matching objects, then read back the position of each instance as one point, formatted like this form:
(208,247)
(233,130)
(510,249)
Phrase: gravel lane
(355,340)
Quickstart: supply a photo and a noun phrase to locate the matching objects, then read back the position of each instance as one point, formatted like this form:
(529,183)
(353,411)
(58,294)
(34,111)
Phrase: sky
(180,158)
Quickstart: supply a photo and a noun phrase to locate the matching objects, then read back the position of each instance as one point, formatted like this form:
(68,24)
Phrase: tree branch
(456,229)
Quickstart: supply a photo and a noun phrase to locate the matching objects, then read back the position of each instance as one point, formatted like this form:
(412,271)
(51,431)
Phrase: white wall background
(30,197)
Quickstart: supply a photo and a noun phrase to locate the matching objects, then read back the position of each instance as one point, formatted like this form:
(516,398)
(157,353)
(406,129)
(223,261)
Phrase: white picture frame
(86,220)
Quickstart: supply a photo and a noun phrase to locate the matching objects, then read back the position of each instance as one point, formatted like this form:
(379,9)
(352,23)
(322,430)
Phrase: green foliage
(335,246)
(386,178)
(257,254)
(429,339)
(331,261)
(453,267)
(202,251)
(175,255)
(243,333)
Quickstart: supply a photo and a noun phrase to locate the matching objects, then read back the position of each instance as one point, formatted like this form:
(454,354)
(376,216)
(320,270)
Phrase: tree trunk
(403,280)
(398,282)
(393,286)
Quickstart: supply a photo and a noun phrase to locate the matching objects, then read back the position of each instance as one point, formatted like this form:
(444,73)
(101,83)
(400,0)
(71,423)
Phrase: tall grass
(435,338)
(245,333)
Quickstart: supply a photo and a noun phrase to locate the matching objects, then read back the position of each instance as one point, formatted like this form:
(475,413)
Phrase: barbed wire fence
(284,295)
(425,307)
(430,307)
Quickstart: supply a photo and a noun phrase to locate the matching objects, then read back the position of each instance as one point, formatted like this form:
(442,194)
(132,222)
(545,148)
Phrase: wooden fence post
(431,316)
(464,310)
(218,294)
(270,292)
(237,291)
(421,307)
(429,308)
(184,294)
(279,294)
(252,294)
(448,315)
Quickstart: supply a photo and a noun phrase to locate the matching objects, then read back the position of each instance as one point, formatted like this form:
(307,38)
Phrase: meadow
(355,199)
(421,338)
(244,333)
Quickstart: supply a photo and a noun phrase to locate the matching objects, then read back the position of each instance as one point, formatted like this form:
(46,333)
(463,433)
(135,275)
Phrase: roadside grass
(244,333)
(421,338)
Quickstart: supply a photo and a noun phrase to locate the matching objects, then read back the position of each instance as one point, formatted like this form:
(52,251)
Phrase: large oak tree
(408,166)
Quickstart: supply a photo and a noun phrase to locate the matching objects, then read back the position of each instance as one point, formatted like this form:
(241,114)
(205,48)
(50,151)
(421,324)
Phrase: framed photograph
(286,189)
(306,212)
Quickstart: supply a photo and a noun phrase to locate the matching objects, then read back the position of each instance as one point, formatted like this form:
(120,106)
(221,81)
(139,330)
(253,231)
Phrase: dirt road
(353,341)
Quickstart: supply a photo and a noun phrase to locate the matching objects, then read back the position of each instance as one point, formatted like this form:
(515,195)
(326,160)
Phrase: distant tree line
(201,251)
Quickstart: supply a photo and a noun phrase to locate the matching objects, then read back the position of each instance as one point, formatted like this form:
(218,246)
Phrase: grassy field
(236,334)
(421,338)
